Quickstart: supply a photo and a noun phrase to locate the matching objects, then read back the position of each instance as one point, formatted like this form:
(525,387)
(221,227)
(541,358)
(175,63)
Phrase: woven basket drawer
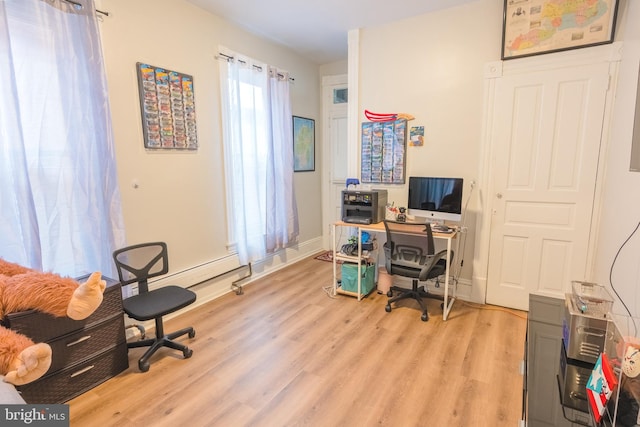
(75,380)
(42,327)
(75,347)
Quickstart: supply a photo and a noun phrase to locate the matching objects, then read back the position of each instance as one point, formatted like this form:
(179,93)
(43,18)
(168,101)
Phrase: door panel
(547,132)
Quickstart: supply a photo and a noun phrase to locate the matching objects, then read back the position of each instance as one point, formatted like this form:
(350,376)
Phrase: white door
(547,132)
(336,156)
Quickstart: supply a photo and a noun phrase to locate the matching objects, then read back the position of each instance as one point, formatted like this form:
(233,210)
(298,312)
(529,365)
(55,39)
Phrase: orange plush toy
(21,360)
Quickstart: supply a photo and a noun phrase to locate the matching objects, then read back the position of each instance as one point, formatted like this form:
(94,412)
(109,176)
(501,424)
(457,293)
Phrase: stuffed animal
(21,360)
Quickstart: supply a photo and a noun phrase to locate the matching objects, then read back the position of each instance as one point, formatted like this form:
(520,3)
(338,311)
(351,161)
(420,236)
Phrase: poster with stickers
(168,109)
(383,152)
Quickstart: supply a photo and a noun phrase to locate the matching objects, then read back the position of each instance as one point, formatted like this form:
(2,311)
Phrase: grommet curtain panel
(60,207)
(258,147)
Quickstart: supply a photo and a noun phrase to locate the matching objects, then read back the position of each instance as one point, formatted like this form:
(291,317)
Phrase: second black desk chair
(409,252)
(137,264)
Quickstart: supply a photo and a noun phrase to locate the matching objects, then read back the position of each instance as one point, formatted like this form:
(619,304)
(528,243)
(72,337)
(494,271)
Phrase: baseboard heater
(207,271)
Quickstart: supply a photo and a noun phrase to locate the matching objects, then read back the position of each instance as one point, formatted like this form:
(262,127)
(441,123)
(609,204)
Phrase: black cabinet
(544,352)
(85,352)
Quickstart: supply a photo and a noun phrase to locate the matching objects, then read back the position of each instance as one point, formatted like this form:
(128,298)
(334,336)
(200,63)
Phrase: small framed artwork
(534,27)
(304,144)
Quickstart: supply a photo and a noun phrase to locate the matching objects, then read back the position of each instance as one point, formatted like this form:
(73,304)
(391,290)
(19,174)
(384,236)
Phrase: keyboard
(357,220)
(441,229)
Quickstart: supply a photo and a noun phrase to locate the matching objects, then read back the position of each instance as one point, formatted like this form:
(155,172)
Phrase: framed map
(533,27)
(304,144)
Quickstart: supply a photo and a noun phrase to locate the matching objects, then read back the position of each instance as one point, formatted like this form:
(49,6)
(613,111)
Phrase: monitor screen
(436,199)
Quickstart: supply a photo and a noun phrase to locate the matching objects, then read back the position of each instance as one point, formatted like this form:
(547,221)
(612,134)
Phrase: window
(258,146)
(60,205)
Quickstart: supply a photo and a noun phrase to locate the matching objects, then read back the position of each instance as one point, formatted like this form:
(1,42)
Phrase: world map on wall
(534,26)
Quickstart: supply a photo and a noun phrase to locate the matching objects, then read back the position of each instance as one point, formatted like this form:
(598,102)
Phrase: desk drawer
(64,385)
(75,347)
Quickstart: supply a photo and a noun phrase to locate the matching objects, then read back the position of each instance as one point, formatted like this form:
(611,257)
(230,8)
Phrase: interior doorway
(546,138)
(335,154)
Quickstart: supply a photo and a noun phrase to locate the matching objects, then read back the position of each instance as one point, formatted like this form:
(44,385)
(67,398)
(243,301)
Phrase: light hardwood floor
(287,354)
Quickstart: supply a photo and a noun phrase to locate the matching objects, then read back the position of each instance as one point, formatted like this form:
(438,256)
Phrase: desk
(379,228)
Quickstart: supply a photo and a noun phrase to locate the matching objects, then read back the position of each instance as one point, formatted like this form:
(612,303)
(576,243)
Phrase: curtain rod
(81,6)
(257,67)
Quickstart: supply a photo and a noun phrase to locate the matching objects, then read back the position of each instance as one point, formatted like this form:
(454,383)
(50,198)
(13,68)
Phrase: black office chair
(409,252)
(137,264)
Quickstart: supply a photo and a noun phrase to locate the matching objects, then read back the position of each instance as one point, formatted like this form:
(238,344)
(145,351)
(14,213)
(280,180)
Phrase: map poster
(304,144)
(533,27)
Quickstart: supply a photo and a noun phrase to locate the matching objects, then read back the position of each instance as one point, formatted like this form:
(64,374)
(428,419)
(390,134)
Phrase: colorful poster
(383,146)
(533,27)
(167,105)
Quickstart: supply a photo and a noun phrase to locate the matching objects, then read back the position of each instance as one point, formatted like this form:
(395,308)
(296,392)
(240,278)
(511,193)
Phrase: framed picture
(533,27)
(168,108)
(304,144)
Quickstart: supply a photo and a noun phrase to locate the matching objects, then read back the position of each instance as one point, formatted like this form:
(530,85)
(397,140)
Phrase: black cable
(613,263)
(464,230)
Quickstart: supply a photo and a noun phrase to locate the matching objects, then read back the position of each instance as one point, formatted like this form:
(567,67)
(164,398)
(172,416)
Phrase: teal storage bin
(350,278)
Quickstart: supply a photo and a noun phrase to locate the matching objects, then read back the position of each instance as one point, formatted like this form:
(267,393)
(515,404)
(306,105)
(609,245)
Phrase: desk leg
(335,270)
(446,307)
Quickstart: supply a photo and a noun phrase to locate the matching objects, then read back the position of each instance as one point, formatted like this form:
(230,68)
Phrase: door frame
(612,54)
(329,83)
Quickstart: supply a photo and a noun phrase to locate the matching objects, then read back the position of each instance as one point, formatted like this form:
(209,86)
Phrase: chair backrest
(141,262)
(409,248)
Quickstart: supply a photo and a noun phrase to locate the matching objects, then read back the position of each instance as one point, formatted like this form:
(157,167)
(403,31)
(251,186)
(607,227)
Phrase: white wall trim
(353,77)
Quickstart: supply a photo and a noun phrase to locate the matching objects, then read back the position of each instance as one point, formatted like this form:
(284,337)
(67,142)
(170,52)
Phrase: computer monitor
(435,199)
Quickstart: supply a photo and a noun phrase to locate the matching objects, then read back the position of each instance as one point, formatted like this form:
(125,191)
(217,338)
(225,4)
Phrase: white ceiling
(317,29)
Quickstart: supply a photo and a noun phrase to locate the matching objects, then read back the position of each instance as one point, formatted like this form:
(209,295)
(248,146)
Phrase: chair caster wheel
(144,366)
(389,294)
(187,353)
(192,334)
(387,308)
(424,317)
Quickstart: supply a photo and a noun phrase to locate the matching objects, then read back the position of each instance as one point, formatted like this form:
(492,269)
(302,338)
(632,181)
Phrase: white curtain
(258,145)
(59,201)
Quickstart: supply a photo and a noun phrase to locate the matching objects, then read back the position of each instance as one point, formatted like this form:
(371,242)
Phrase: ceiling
(317,29)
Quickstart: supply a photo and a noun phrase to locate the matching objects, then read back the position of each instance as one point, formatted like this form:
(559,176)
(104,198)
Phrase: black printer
(363,207)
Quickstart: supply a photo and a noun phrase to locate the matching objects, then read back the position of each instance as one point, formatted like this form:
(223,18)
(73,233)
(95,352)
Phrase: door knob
(499,195)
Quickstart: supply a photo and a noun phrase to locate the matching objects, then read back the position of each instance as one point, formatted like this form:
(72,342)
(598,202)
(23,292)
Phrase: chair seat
(437,270)
(158,302)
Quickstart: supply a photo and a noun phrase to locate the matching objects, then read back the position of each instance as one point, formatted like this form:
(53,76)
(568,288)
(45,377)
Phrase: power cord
(463,232)
(494,308)
(613,263)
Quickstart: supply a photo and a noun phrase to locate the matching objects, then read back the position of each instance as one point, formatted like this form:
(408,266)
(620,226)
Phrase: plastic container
(591,298)
(350,278)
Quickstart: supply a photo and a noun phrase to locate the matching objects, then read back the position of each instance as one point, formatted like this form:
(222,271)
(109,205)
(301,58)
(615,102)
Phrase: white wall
(621,200)
(432,66)
(180,196)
